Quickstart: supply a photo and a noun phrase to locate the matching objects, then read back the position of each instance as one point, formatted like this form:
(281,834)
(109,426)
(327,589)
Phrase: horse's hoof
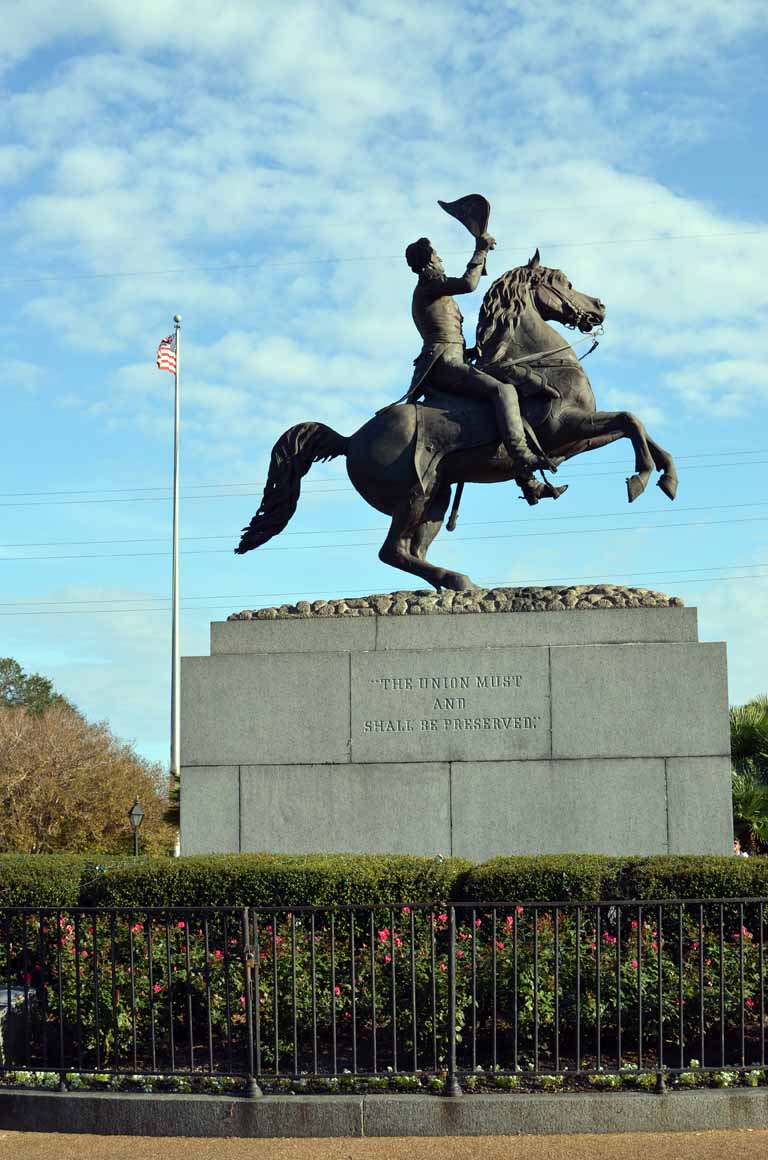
(668,484)
(457,582)
(635,487)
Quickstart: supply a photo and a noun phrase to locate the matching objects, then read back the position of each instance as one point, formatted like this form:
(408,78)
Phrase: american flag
(166,354)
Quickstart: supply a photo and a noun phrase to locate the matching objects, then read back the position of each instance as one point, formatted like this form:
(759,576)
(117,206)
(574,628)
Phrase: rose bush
(368,989)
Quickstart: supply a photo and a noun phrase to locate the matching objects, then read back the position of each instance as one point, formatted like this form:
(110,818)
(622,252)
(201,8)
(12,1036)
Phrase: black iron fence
(509,989)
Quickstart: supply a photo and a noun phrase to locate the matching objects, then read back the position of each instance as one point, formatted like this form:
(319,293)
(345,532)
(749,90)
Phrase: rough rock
(488,600)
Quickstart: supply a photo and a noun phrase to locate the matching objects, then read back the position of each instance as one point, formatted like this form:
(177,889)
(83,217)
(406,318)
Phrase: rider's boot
(512,431)
(533,491)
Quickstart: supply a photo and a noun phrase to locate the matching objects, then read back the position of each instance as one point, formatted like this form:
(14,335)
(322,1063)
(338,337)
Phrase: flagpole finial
(177,318)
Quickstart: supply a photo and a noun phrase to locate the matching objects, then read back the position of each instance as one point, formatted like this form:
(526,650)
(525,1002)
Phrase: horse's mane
(502,308)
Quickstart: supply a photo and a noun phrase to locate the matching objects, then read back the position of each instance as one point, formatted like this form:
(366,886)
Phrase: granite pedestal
(467,733)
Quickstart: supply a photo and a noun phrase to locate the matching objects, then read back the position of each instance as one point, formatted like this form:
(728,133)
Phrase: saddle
(446,423)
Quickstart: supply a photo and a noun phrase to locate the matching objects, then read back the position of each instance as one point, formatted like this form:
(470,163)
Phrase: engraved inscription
(455,709)
(460,704)
(471,681)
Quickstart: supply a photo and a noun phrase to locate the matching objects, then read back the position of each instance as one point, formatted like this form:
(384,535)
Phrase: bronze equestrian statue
(519,401)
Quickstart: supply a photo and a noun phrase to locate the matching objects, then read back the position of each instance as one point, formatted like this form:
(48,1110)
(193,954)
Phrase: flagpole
(175,644)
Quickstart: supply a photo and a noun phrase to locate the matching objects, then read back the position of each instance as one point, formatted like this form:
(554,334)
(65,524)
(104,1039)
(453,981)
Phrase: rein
(559,349)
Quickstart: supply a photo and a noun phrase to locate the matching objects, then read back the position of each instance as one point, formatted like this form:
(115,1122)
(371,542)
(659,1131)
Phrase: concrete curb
(111,1113)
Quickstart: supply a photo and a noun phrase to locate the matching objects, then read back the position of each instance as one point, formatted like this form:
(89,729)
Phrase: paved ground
(742,1145)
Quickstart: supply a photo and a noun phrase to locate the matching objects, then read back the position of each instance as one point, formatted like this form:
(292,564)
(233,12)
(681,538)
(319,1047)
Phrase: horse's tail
(292,456)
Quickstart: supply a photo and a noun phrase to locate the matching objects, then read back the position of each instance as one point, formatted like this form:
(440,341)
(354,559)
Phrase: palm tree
(749,735)
(750,810)
(749,772)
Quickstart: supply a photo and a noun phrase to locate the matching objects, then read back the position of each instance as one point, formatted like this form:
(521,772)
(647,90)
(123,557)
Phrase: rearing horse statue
(406,459)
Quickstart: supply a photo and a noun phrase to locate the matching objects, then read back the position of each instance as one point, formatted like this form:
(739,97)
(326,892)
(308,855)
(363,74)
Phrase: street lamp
(136,816)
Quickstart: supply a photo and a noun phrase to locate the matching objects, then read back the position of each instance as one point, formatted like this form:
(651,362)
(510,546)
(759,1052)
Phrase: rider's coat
(438,318)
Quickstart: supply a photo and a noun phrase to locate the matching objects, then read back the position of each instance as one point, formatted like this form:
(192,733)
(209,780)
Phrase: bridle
(578,315)
(594,334)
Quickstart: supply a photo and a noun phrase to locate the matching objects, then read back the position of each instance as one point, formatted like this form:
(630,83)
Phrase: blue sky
(259,169)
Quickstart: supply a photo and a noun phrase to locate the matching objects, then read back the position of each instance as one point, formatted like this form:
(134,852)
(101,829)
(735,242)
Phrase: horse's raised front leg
(407,519)
(666,465)
(604,427)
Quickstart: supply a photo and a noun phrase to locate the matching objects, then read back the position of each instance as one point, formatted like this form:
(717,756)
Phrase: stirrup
(534,461)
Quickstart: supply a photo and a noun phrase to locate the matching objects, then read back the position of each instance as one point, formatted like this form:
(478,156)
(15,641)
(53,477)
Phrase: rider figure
(442,362)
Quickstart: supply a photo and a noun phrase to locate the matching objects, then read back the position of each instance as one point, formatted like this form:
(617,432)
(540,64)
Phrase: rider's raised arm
(471,276)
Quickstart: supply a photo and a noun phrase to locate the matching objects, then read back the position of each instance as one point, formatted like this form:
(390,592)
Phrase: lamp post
(136,817)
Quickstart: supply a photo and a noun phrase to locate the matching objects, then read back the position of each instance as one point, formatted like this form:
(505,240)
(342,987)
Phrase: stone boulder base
(549,599)
(509,721)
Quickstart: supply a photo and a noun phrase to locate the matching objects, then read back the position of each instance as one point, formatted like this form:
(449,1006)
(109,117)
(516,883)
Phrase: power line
(324,591)
(265,264)
(690,467)
(632,513)
(497,584)
(164,498)
(551,207)
(197,486)
(311,483)
(331,490)
(375,543)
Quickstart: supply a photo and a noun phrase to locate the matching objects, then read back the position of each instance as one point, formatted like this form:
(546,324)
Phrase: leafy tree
(749,758)
(67,784)
(27,690)
(173,812)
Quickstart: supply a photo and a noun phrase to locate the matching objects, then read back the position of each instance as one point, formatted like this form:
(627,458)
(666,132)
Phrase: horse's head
(556,300)
(549,292)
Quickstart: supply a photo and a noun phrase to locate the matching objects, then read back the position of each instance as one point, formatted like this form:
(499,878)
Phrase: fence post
(252,1088)
(452,1086)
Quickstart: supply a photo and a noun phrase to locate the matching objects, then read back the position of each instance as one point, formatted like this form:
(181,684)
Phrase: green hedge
(341,879)
(542,878)
(269,879)
(40,879)
(590,877)
(689,876)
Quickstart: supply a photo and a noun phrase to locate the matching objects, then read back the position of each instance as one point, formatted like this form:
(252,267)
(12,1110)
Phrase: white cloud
(734,611)
(15,163)
(155,159)
(725,387)
(619,399)
(20,375)
(114,664)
